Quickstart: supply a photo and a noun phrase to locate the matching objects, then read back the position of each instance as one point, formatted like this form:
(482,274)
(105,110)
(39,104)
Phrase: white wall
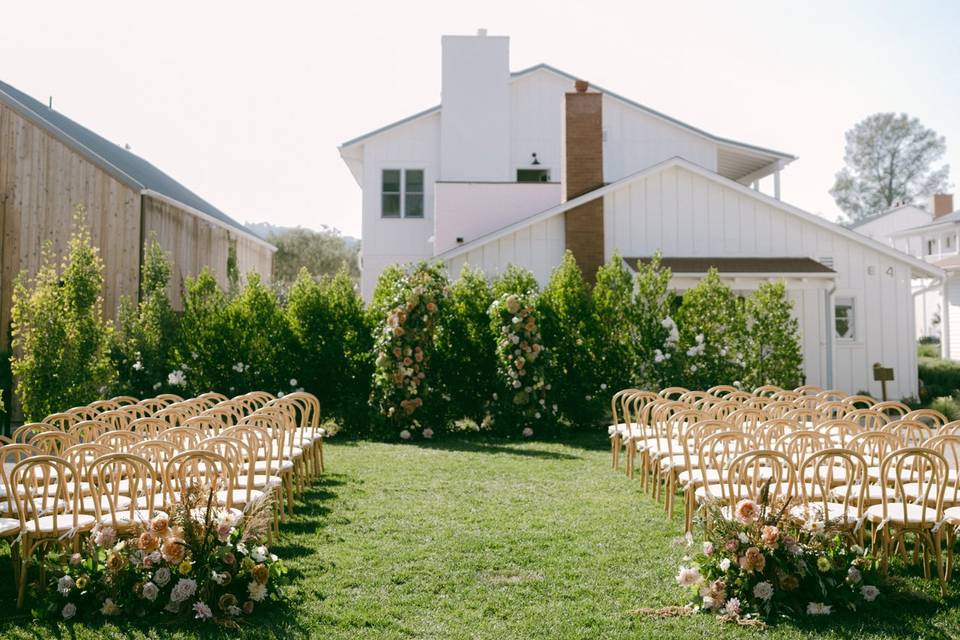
(397,240)
(472,209)
(475,119)
(883,226)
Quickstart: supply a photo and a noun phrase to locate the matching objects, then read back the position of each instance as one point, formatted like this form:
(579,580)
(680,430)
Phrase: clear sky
(246,102)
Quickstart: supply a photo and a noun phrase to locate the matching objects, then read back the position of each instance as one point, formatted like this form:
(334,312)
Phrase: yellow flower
(81,582)
(823,564)
(185,567)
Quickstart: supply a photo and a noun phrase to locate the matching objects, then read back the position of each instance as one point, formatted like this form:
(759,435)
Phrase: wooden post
(883,375)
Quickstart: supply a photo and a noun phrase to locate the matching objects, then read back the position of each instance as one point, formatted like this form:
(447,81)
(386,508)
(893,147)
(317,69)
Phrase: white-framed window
(845,318)
(401,194)
(931,247)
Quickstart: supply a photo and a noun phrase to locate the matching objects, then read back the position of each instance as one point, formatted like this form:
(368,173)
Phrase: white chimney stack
(475,115)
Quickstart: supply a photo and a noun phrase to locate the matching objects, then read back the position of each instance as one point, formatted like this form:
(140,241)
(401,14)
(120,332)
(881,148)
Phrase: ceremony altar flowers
(761,564)
(521,359)
(201,563)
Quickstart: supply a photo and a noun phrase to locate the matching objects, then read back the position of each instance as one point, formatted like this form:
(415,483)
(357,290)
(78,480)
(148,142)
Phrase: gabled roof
(775,155)
(917,265)
(123,165)
(944,220)
(884,214)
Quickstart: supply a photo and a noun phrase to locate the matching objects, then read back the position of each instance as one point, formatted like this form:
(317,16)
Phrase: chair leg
(24,568)
(937,558)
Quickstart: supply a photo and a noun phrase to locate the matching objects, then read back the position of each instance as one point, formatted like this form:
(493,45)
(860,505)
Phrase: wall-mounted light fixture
(536,161)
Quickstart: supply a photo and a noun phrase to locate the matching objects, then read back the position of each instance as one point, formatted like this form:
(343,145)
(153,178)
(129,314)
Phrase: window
(931,246)
(949,242)
(402,193)
(533,175)
(845,319)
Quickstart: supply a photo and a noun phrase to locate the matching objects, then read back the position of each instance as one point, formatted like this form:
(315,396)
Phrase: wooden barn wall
(192,243)
(42,180)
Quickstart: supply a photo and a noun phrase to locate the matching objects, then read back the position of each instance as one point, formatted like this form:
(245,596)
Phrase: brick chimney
(941,204)
(582,163)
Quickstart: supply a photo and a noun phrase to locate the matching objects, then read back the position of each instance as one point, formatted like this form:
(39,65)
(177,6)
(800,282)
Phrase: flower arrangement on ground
(204,563)
(763,564)
(521,357)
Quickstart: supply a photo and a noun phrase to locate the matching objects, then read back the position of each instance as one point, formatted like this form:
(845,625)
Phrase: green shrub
(404,345)
(613,316)
(928,349)
(60,339)
(711,322)
(938,377)
(465,360)
(514,279)
(333,346)
(656,334)
(205,345)
(144,345)
(772,354)
(570,333)
(948,406)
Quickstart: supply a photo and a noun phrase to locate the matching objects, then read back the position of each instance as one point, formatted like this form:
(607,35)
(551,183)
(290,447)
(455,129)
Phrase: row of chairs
(852,464)
(86,468)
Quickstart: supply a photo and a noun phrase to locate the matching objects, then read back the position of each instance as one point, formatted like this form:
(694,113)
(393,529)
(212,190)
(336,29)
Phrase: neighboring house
(517,168)
(49,164)
(930,234)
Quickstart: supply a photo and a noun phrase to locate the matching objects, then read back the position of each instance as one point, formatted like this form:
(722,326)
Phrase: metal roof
(127,167)
(516,74)
(742,265)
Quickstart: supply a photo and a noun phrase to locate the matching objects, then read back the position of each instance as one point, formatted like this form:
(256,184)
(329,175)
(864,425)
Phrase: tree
(773,353)
(145,342)
(60,339)
(322,253)
(889,159)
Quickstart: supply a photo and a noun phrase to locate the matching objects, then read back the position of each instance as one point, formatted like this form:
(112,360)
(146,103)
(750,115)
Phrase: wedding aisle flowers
(760,565)
(201,563)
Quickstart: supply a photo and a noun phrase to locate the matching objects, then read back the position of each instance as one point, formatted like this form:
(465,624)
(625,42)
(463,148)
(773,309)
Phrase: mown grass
(489,539)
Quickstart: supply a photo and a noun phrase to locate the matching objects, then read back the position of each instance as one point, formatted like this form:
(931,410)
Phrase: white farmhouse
(519,167)
(931,235)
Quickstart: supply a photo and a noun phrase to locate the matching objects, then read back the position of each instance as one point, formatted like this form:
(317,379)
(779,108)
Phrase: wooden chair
(893,409)
(673,393)
(821,473)
(119,441)
(88,430)
(930,417)
(211,473)
(896,515)
(149,428)
(24,432)
(62,421)
(127,486)
(704,483)
(750,472)
(860,401)
(52,442)
(125,400)
(184,438)
(767,390)
(48,508)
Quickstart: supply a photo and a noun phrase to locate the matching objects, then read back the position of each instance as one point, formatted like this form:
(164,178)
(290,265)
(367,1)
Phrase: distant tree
(889,159)
(322,253)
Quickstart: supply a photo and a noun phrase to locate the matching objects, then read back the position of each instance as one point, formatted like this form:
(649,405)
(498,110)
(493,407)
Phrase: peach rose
(746,511)
(769,535)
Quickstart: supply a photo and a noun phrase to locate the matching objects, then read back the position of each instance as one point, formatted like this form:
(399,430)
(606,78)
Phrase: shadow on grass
(495,446)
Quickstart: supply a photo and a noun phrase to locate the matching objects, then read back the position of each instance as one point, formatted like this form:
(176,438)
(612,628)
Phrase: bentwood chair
(128,486)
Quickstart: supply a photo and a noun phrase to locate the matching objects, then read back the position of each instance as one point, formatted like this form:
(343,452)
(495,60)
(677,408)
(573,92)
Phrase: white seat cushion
(872,493)
(836,512)
(126,519)
(902,513)
(64,523)
(9,527)
(275,466)
(240,496)
(696,477)
(952,515)
(87,505)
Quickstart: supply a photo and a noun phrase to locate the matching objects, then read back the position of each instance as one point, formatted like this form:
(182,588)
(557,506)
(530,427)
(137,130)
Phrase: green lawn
(497,539)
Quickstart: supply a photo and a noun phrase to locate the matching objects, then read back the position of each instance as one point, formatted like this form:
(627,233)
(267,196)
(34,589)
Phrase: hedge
(426,354)
(938,377)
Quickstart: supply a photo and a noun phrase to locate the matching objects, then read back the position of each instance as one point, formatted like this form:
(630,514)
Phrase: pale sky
(246,102)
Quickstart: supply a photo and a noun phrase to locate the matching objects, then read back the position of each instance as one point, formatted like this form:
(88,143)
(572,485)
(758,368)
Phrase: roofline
(933,224)
(676,161)
(546,67)
(884,214)
(70,142)
(757,275)
(250,235)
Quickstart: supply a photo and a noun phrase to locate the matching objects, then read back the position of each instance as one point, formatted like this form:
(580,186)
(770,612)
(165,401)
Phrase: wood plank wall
(192,243)
(41,183)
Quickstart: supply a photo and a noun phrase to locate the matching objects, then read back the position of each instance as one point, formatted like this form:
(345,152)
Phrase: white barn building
(519,167)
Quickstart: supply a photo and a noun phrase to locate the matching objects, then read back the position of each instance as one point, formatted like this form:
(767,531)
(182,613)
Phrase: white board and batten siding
(682,213)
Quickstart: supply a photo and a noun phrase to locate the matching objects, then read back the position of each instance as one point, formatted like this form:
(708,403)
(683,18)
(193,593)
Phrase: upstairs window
(402,193)
(845,319)
(931,247)
(533,175)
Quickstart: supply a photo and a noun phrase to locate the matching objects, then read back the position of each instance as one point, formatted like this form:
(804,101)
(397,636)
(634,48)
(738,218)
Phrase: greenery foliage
(938,377)
(60,339)
(321,253)
(144,345)
(889,158)
(333,344)
(571,329)
(656,335)
(712,332)
(772,352)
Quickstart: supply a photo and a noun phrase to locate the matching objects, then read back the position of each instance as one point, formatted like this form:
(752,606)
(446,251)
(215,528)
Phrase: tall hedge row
(426,354)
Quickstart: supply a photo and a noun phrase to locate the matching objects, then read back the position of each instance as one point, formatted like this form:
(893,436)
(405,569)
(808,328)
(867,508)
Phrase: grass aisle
(466,539)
